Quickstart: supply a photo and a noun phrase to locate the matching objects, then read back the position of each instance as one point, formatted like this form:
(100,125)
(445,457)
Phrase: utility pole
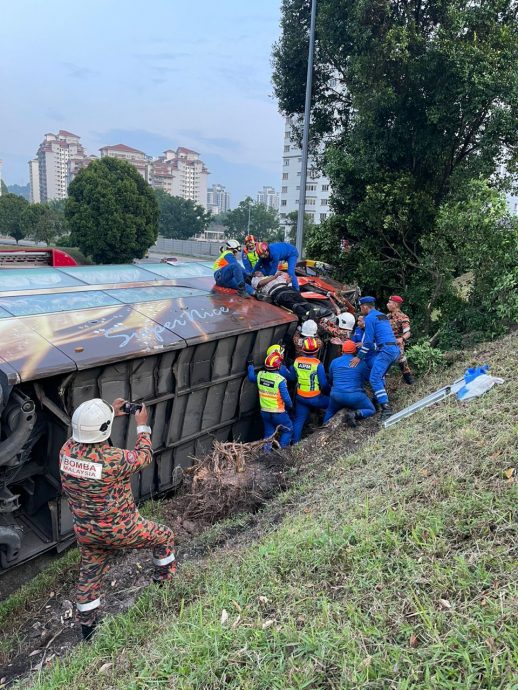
(248,226)
(305,136)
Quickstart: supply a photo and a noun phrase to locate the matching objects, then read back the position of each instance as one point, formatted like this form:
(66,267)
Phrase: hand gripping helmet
(262,249)
(309,328)
(92,421)
(273,361)
(310,345)
(346,321)
(275,348)
(233,245)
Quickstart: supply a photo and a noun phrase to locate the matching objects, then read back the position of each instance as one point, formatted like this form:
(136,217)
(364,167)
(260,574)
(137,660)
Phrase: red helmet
(273,361)
(249,239)
(262,249)
(310,345)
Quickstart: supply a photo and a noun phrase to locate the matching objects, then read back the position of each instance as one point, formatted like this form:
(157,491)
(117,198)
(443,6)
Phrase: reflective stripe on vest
(270,397)
(221,261)
(308,385)
(252,257)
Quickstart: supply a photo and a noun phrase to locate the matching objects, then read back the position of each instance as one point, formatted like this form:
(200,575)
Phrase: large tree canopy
(264,221)
(112,212)
(180,218)
(413,99)
(12,207)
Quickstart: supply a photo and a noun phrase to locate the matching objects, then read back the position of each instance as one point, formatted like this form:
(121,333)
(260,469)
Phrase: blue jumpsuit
(279,252)
(357,337)
(271,420)
(231,274)
(347,388)
(379,335)
(304,405)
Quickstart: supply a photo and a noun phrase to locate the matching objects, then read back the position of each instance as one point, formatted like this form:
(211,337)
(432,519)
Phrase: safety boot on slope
(386,411)
(350,419)
(408,378)
(87,631)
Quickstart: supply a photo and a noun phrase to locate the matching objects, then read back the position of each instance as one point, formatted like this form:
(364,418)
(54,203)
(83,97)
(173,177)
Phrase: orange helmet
(310,345)
(249,239)
(262,249)
(273,361)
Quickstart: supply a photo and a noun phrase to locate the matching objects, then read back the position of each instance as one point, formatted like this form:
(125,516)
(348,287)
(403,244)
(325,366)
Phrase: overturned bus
(147,332)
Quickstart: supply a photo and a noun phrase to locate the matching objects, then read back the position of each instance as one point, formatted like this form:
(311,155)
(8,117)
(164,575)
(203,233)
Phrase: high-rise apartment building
(181,173)
(268,197)
(218,199)
(49,172)
(318,189)
(138,159)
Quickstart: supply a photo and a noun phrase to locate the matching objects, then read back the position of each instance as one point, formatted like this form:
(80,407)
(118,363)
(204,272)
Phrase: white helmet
(346,321)
(309,329)
(233,245)
(92,421)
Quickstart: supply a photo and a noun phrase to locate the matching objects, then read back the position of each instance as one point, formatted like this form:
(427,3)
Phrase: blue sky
(153,75)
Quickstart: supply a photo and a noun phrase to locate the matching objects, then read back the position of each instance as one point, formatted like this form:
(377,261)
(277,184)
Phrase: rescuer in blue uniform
(274,398)
(228,272)
(379,335)
(271,255)
(358,336)
(308,372)
(249,255)
(347,386)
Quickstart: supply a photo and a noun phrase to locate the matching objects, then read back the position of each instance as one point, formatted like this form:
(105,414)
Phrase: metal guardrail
(429,400)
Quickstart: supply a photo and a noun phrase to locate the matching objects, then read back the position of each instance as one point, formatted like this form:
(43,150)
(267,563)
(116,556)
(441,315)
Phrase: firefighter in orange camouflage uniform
(401,326)
(96,479)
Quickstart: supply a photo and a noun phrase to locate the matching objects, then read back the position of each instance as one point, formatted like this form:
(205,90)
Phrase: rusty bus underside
(150,332)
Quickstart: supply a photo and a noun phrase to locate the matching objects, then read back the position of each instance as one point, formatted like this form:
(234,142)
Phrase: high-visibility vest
(270,397)
(308,385)
(221,261)
(252,257)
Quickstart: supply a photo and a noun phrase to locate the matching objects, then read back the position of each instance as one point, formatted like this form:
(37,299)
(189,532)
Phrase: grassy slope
(392,568)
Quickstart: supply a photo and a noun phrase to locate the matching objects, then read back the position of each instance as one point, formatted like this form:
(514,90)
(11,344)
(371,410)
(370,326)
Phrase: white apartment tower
(317,185)
(268,197)
(218,199)
(49,172)
(138,159)
(181,173)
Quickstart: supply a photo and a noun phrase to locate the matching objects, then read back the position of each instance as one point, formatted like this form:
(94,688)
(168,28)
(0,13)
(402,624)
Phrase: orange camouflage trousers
(96,546)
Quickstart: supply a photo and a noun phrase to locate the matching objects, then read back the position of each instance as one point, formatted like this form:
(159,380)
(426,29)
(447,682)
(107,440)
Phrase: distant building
(181,173)
(218,199)
(50,171)
(269,197)
(318,189)
(1,164)
(138,159)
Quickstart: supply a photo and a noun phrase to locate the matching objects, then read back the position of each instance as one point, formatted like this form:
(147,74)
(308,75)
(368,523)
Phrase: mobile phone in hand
(131,408)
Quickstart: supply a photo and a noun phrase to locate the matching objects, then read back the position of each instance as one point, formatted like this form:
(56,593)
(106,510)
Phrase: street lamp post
(305,135)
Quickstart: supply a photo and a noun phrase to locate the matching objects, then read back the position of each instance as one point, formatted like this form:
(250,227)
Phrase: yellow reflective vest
(252,257)
(221,261)
(270,397)
(308,385)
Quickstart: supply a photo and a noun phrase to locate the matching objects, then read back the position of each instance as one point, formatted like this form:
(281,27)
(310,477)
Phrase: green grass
(393,568)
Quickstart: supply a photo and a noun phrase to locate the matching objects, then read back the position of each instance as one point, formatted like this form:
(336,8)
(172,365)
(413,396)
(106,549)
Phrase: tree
(412,100)
(3,188)
(180,218)
(112,212)
(12,207)
(291,225)
(42,223)
(264,221)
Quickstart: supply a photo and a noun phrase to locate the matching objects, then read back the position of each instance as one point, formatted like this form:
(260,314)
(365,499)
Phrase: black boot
(386,412)
(350,419)
(241,291)
(87,631)
(408,378)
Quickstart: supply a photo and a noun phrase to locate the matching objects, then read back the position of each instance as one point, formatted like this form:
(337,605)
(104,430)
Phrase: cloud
(78,72)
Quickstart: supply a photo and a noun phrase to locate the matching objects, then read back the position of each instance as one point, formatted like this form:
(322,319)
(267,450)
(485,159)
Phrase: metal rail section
(430,400)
